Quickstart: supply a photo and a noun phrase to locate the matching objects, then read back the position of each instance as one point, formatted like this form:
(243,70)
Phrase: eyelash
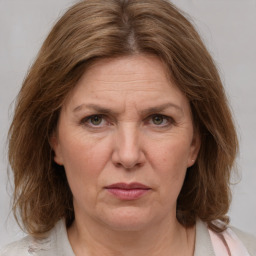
(86,120)
(169,120)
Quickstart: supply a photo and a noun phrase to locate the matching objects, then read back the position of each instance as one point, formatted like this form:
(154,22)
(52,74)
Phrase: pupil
(96,120)
(158,119)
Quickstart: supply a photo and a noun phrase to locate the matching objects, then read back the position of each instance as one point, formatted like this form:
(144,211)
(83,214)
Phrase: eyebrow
(105,110)
(162,107)
(94,107)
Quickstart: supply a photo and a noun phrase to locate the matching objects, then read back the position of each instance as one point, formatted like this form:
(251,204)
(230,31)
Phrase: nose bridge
(128,151)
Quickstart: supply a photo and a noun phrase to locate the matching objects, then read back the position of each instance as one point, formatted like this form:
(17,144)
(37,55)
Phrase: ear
(194,149)
(55,145)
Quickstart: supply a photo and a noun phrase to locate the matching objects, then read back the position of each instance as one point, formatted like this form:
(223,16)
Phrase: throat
(132,243)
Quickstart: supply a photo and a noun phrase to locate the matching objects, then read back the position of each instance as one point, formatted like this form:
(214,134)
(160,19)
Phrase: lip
(128,191)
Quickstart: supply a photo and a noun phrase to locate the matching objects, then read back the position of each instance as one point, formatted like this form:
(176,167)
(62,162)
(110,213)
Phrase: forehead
(134,70)
(139,78)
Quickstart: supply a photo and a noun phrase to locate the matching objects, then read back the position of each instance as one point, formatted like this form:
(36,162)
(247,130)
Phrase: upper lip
(122,185)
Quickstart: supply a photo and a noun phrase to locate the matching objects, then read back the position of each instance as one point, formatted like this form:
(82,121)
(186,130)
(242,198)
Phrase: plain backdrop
(228,27)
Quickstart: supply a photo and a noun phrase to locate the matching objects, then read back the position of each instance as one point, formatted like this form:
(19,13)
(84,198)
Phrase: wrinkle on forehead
(118,87)
(139,81)
(110,70)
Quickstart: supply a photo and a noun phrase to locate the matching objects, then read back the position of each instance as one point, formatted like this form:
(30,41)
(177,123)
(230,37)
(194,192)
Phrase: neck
(166,238)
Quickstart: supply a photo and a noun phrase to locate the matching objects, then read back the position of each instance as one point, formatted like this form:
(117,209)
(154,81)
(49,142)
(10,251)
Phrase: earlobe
(54,143)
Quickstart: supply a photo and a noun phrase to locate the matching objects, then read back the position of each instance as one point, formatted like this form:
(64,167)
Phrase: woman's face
(125,137)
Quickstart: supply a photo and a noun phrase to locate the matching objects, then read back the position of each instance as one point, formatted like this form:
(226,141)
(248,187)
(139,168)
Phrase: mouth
(131,191)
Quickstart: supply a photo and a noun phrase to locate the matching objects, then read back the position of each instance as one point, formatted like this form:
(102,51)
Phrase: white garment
(227,243)
(207,243)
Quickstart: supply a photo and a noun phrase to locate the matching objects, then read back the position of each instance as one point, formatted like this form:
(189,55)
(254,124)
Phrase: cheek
(84,159)
(84,150)
(171,154)
(169,159)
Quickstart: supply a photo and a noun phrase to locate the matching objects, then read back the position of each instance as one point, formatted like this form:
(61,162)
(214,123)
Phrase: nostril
(128,167)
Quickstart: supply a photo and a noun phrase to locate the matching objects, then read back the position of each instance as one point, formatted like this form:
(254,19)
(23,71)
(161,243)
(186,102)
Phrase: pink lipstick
(126,191)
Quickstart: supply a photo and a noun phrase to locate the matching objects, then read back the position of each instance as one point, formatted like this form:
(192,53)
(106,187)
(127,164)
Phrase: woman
(122,141)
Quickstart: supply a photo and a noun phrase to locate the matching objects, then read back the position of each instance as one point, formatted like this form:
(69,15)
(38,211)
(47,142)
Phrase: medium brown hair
(95,29)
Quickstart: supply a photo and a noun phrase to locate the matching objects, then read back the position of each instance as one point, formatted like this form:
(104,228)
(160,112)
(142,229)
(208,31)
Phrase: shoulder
(231,241)
(54,243)
(28,246)
(234,241)
(23,247)
(247,239)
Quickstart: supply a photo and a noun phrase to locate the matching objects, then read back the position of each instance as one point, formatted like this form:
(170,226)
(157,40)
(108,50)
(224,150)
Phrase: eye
(157,119)
(94,121)
(160,120)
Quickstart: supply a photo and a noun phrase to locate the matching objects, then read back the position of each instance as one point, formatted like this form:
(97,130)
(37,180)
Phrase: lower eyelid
(86,120)
(167,121)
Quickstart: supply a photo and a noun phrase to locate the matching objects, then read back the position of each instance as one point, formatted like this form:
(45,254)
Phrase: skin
(143,132)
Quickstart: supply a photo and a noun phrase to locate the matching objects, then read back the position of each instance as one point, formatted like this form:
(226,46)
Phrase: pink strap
(227,243)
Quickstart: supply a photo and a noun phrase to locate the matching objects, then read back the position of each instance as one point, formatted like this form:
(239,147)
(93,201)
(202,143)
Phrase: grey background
(228,28)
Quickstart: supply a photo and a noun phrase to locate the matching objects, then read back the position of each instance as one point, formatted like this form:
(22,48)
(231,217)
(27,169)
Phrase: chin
(127,218)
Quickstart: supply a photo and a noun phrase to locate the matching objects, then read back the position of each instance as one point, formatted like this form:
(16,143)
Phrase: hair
(92,30)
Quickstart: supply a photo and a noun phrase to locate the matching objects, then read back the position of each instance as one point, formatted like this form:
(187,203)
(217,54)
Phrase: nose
(127,150)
